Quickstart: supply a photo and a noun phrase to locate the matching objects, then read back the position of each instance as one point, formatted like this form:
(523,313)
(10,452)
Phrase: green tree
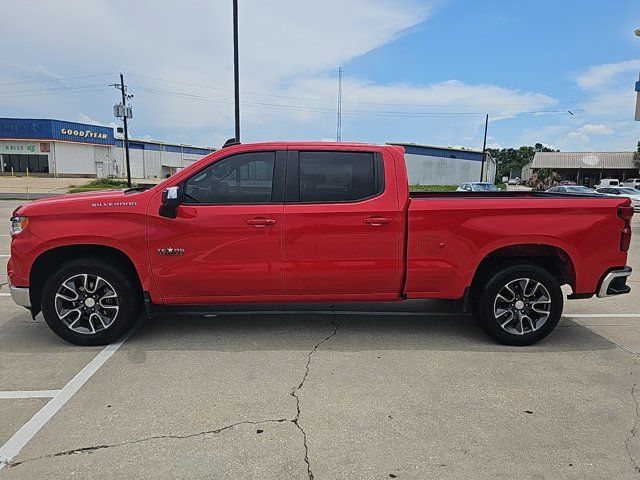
(543,179)
(514,159)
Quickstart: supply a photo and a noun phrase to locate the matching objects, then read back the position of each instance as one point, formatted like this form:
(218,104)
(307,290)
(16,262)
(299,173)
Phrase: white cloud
(574,140)
(596,129)
(287,49)
(84,118)
(604,119)
(599,76)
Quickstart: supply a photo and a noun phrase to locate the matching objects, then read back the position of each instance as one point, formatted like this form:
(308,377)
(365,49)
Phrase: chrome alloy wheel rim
(87,303)
(522,306)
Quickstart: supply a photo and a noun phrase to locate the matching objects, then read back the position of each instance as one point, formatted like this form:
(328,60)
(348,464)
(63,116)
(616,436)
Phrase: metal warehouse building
(58,148)
(584,168)
(428,165)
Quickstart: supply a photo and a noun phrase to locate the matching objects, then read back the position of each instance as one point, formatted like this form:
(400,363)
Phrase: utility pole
(484,146)
(124,112)
(339,126)
(236,72)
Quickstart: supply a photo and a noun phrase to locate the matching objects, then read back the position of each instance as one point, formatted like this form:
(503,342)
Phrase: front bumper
(615,283)
(20,295)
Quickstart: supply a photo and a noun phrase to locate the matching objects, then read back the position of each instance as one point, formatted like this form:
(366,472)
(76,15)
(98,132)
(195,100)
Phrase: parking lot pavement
(381,392)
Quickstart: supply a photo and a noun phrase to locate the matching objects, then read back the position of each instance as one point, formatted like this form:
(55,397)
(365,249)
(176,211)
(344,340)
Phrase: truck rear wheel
(89,302)
(518,305)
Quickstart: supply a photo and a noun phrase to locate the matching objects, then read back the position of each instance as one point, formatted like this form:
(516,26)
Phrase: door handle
(261,222)
(377,221)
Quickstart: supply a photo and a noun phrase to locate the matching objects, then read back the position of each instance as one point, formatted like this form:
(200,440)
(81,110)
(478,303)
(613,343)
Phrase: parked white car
(477,187)
(632,193)
(631,183)
(607,182)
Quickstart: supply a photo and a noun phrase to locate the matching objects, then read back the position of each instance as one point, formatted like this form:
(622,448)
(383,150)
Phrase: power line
(68,87)
(370,112)
(351,102)
(73,92)
(58,79)
(311,99)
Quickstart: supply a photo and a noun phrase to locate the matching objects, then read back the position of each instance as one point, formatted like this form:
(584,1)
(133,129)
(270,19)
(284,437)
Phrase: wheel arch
(51,259)
(550,257)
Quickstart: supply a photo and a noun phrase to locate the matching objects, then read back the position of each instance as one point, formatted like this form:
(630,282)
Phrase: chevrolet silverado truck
(312,222)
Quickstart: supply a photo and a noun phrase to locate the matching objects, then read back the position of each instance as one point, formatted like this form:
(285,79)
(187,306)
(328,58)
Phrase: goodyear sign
(74,133)
(45,129)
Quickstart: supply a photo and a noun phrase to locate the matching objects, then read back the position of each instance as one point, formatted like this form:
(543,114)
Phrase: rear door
(342,231)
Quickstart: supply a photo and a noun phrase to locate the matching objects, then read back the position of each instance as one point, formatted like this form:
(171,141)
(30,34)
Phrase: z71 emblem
(170,251)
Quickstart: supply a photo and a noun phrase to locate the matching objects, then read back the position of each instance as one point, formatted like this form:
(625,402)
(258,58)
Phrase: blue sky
(421,71)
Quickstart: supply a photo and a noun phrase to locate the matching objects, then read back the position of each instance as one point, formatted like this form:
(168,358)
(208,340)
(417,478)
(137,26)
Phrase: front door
(343,229)
(226,240)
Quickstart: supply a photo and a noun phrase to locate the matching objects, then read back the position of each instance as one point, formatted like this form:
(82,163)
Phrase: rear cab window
(334,176)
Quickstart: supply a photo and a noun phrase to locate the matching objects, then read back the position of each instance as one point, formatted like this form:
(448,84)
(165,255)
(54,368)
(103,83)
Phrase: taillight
(625,212)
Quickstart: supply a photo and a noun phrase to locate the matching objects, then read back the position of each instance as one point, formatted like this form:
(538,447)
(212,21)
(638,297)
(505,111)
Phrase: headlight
(18,224)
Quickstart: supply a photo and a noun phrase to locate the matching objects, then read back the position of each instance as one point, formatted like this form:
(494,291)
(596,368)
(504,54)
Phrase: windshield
(579,189)
(485,187)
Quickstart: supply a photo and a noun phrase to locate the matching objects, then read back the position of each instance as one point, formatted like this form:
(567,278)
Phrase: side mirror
(171,199)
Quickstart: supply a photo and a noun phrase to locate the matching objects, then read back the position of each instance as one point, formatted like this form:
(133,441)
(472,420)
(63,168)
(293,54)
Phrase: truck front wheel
(89,302)
(518,305)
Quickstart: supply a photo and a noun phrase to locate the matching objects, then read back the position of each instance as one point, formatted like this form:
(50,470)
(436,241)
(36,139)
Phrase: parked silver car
(573,189)
(477,187)
(632,193)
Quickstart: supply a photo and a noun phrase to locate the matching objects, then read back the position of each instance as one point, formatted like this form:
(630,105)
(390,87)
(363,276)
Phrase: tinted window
(338,176)
(486,187)
(578,190)
(242,178)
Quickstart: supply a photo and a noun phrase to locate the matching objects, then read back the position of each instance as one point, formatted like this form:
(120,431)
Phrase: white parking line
(325,312)
(5,256)
(385,313)
(17,442)
(28,394)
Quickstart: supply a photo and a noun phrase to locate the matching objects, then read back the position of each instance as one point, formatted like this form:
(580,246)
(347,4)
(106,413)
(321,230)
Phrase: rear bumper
(614,283)
(20,296)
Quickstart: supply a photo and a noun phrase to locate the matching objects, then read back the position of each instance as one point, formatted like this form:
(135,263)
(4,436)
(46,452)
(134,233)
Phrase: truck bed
(450,233)
(503,194)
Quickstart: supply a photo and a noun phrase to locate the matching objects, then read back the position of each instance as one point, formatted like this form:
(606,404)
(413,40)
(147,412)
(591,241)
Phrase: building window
(20,163)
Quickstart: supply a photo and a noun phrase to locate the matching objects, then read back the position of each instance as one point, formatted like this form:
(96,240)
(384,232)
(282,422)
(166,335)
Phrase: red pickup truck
(308,222)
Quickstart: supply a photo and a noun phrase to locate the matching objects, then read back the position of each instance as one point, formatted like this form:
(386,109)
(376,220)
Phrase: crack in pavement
(295,421)
(294,393)
(633,431)
(147,439)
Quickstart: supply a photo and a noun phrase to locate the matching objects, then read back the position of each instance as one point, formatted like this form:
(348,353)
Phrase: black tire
(486,302)
(115,277)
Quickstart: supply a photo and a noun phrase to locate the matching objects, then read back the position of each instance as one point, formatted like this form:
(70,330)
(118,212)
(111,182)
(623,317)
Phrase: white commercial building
(45,147)
(428,165)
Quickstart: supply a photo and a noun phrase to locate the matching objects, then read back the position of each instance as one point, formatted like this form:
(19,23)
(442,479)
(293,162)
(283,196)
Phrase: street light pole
(236,72)
(637,117)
